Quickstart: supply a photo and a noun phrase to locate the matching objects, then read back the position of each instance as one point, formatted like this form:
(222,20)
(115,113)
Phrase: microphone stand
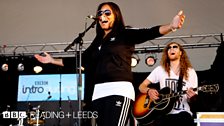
(79,41)
(70,109)
(60,109)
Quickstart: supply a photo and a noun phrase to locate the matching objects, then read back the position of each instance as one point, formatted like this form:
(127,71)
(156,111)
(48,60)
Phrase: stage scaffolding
(156,45)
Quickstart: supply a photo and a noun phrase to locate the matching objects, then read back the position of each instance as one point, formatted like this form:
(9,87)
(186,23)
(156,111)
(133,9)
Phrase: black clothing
(109,60)
(112,62)
(117,105)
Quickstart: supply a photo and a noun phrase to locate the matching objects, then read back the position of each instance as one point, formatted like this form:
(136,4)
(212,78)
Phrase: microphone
(92,17)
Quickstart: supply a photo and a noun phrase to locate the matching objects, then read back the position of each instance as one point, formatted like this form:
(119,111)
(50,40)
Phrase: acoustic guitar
(146,110)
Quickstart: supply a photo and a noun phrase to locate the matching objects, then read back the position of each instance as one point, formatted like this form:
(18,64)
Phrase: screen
(49,87)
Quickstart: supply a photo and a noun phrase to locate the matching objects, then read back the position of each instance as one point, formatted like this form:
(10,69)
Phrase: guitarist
(174,63)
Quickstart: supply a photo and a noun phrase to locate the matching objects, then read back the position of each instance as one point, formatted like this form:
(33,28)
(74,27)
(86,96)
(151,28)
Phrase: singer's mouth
(104,21)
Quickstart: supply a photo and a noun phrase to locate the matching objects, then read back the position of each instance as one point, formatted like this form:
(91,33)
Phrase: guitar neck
(176,94)
(205,88)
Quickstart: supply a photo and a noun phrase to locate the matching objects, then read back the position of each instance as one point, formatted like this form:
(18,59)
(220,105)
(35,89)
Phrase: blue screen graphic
(49,87)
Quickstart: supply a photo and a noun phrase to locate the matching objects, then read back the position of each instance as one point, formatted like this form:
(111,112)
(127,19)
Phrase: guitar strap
(180,82)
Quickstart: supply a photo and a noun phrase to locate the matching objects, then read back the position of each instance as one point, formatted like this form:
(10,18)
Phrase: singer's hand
(44,59)
(177,21)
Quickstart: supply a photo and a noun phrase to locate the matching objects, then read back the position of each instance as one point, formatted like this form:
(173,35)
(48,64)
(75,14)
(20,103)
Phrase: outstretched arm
(48,59)
(175,24)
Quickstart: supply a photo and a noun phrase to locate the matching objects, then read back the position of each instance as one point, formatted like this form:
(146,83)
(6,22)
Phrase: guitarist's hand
(153,94)
(190,93)
(144,88)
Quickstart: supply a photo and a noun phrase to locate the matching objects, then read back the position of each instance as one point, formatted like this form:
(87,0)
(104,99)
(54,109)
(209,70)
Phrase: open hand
(178,21)
(44,59)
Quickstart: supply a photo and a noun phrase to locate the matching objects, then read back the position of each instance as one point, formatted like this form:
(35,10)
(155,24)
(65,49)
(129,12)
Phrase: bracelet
(148,90)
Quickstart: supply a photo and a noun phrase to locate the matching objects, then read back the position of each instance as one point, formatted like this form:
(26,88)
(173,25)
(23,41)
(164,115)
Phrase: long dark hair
(118,23)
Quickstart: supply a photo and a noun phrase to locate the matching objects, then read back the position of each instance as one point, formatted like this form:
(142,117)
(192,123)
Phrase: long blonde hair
(184,61)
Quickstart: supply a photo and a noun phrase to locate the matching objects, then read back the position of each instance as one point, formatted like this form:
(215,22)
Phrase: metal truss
(188,42)
(156,45)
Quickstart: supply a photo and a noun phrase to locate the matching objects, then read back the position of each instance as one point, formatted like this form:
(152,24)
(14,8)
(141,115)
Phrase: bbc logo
(14,114)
